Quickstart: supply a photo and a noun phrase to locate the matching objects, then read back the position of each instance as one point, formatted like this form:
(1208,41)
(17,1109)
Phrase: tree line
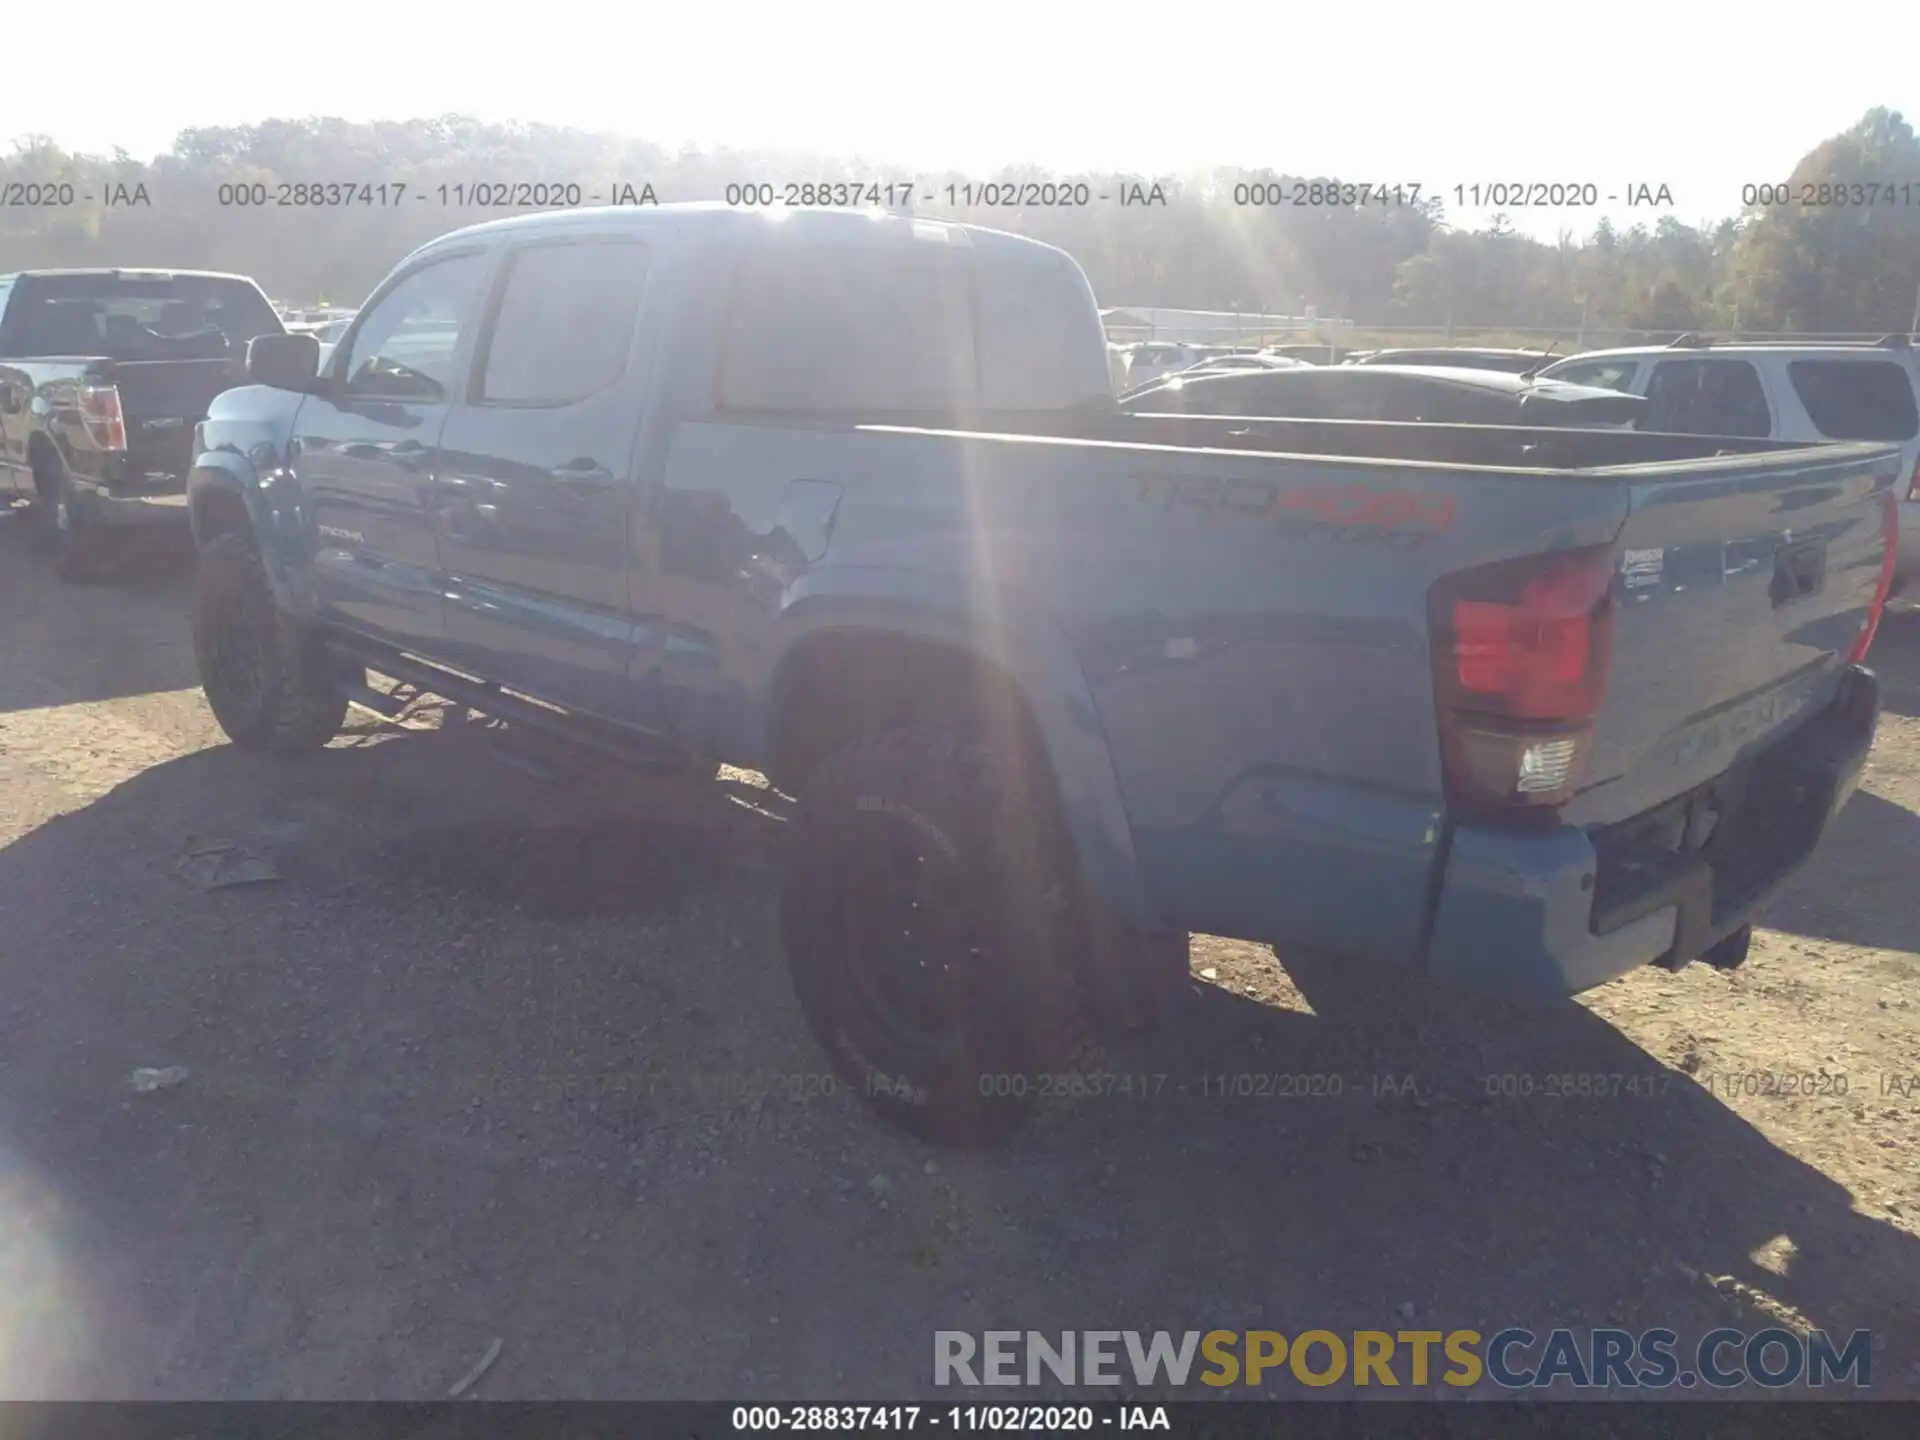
(1838,251)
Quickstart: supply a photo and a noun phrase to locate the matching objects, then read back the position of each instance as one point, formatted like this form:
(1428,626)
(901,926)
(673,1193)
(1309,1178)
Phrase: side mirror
(286,362)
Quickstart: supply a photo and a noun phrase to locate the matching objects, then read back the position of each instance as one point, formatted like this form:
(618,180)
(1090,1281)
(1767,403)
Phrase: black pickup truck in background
(103,376)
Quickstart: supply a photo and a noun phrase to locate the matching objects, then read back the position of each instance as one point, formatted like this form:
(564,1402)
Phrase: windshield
(128,317)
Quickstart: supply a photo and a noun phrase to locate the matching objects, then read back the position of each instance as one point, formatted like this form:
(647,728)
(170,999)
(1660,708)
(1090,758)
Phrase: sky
(1686,96)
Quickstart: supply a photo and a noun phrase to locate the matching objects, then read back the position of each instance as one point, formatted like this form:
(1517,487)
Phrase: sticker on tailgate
(1642,567)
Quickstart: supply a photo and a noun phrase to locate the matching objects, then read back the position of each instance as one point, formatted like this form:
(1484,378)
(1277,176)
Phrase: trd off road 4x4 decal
(1351,512)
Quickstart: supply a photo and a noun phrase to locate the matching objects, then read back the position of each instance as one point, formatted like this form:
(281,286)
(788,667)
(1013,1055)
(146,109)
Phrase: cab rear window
(1857,399)
(809,331)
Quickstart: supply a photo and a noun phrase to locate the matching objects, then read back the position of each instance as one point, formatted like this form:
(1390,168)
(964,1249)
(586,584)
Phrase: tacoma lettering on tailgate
(1748,720)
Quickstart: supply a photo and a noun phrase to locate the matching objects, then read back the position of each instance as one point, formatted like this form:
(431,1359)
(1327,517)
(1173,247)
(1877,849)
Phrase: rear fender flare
(1025,645)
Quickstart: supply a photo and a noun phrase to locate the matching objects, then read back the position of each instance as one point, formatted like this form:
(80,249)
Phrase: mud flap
(1730,951)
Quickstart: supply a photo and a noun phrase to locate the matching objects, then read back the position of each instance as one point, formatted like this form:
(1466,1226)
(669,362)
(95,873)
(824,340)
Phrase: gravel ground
(514,1056)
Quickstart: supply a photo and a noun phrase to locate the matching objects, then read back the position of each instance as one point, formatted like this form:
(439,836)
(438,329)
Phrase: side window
(1707,397)
(1359,396)
(565,323)
(1298,396)
(1484,407)
(406,343)
(1857,399)
(1218,395)
(1402,399)
(6,289)
(1230,397)
(1607,374)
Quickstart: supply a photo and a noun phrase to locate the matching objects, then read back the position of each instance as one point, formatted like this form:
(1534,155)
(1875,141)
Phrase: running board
(587,732)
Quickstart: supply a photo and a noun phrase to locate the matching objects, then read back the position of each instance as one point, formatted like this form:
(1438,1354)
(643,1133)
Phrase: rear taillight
(1520,657)
(1889,552)
(100,413)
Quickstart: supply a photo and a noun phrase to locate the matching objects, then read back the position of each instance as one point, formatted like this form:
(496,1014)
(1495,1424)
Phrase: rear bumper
(1555,913)
(102,506)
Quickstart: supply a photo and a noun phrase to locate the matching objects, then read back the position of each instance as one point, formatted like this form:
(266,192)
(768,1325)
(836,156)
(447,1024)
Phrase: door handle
(583,475)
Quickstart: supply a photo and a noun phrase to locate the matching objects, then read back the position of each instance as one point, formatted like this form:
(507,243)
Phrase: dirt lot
(483,1063)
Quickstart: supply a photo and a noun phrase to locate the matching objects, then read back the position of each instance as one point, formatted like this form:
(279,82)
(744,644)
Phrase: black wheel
(83,549)
(270,681)
(929,915)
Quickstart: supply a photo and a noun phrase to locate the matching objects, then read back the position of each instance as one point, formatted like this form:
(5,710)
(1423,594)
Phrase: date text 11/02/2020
(453,195)
(954,195)
(964,195)
(1276,1086)
(1467,195)
(1045,1419)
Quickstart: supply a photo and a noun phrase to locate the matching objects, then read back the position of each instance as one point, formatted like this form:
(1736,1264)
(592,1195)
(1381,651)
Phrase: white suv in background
(1780,392)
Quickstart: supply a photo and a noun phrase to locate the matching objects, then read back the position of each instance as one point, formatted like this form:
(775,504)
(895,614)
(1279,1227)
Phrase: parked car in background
(1387,392)
(298,319)
(1154,359)
(103,376)
(847,499)
(1242,360)
(1464,357)
(1312,354)
(329,334)
(1780,392)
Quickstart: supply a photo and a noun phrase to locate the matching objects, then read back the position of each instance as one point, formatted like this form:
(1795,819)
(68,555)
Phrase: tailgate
(1744,581)
(162,401)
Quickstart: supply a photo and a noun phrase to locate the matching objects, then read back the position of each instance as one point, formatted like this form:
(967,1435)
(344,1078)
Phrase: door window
(1857,399)
(1446,403)
(405,345)
(565,323)
(1210,395)
(1355,395)
(1707,397)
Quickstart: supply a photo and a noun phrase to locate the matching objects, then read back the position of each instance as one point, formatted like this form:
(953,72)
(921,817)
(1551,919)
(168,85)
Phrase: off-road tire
(963,819)
(292,698)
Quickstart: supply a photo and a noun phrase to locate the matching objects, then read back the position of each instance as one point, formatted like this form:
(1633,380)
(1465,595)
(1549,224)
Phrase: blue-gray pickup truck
(846,498)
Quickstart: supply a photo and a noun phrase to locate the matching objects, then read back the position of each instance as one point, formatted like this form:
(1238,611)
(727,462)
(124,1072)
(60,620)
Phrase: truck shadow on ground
(1857,888)
(86,641)
(1461,1173)
(1272,1168)
(1896,655)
